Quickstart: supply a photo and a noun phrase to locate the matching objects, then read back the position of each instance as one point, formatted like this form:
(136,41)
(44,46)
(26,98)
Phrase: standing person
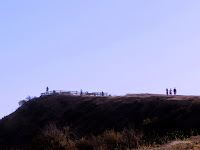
(102,93)
(174,91)
(81,92)
(47,89)
(170,91)
(167,91)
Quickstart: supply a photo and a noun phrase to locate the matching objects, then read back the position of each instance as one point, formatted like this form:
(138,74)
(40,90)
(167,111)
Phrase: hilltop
(154,115)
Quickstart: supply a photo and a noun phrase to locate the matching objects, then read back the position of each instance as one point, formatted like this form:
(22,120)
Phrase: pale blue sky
(117,46)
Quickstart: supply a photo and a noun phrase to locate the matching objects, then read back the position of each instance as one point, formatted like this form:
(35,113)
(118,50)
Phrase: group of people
(169,92)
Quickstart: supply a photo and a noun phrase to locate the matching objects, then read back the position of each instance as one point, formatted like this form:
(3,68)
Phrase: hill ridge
(93,115)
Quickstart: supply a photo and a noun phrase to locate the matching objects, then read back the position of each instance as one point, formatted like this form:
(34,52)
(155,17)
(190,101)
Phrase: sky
(115,46)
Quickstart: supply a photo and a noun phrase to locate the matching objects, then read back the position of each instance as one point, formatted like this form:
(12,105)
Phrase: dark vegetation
(74,122)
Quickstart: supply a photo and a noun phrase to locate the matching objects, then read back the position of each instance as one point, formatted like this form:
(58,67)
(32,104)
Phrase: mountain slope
(93,115)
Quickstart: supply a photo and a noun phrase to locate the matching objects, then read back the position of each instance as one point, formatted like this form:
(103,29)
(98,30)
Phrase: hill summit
(153,115)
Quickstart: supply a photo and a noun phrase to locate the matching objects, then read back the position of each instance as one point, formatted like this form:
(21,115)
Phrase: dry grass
(192,143)
(52,138)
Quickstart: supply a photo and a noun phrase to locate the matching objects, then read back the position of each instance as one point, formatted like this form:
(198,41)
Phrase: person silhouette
(174,91)
(167,91)
(170,91)
(47,89)
(81,93)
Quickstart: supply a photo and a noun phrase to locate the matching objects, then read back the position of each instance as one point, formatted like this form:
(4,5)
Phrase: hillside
(154,115)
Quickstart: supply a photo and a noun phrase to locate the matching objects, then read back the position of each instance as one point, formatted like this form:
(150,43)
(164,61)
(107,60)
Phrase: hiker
(47,89)
(102,93)
(81,92)
(174,91)
(167,91)
(170,91)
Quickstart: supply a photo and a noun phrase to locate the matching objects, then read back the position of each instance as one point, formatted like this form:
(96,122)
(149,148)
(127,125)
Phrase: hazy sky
(116,46)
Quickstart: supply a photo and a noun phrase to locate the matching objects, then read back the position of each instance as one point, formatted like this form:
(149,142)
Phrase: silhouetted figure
(175,91)
(81,92)
(170,91)
(167,91)
(47,89)
(102,93)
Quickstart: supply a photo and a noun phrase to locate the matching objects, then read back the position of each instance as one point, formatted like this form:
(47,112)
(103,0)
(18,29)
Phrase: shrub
(146,121)
(108,140)
(132,138)
(98,143)
(84,144)
(52,138)
(111,139)
(22,102)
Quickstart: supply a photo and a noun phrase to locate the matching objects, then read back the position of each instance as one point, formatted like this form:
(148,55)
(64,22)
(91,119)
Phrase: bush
(22,102)
(132,138)
(52,138)
(84,144)
(112,139)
